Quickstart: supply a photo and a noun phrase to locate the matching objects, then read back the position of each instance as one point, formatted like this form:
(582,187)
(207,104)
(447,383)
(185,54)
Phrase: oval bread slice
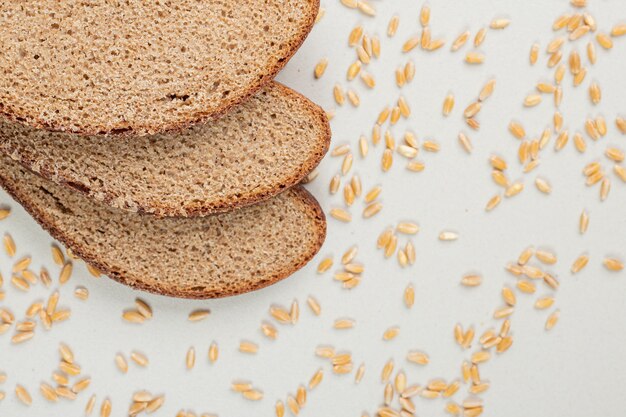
(265,145)
(141,67)
(201,257)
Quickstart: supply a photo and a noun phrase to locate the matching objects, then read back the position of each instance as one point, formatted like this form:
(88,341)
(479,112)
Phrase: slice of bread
(267,144)
(201,257)
(141,67)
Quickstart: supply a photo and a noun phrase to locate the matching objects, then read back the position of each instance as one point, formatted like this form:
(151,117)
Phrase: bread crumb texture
(200,257)
(263,146)
(141,67)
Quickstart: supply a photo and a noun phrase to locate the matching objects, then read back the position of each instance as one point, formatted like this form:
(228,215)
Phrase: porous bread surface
(263,146)
(122,66)
(200,257)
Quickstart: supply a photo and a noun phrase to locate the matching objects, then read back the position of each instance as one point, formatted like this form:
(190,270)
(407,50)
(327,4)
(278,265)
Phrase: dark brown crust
(198,118)
(308,201)
(203,208)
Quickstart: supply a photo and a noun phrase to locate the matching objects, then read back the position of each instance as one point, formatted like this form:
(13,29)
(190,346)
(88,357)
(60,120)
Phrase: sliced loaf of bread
(267,144)
(201,257)
(141,67)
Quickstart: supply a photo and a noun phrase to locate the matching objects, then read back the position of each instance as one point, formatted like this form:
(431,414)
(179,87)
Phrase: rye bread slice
(141,67)
(201,257)
(263,146)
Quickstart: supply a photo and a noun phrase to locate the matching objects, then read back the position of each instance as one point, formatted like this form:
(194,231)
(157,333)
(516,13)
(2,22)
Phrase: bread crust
(309,203)
(201,117)
(196,208)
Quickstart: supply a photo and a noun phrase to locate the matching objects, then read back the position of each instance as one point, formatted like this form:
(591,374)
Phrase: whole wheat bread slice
(267,144)
(141,67)
(200,257)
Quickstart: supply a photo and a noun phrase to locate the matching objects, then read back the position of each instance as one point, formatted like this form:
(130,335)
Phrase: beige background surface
(575,370)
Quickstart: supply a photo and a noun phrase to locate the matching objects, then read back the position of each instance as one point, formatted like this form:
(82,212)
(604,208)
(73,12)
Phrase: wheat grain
(493,202)
(320,68)
(543,185)
(503,312)
(514,189)
(139,358)
(409,296)
(387,370)
(341,215)
(448,236)
(121,363)
(579,263)
(618,30)
(4,212)
(480,37)
(532,100)
(474,58)
(391,333)
(472,109)
(534,53)
(471,280)
(23,395)
(372,209)
(253,395)
(613,264)
(448,105)
(605,187)
(460,41)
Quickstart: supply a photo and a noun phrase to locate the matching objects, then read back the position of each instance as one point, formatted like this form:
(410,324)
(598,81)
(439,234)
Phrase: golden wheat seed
(620,171)
(614,154)
(517,130)
(448,236)
(471,280)
(480,37)
(391,333)
(595,94)
(460,41)
(503,312)
(411,43)
(514,189)
(532,100)
(409,71)
(543,303)
(408,228)
(543,185)
(320,68)
(23,395)
(472,109)
(604,41)
(341,215)
(583,222)
(579,263)
(366,8)
(248,347)
(355,35)
(534,53)
(552,320)
(4,212)
(253,395)
(474,58)
(9,245)
(48,392)
(372,209)
(618,30)
(198,315)
(387,160)
(605,187)
(493,202)
(425,39)
(613,264)
(368,79)
(139,358)
(448,105)
(354,99)
(120,362)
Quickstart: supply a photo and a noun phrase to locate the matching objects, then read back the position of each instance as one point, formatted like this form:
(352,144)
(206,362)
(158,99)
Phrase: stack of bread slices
(151,139)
